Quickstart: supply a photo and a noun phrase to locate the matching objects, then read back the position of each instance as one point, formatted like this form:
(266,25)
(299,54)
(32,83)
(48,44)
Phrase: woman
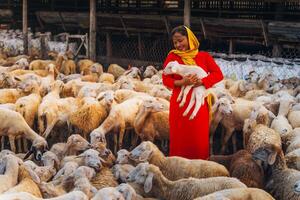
(189,138)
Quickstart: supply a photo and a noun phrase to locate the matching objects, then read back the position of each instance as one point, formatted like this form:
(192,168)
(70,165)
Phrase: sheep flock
(75,130)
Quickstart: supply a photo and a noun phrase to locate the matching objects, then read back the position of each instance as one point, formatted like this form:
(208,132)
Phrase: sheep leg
(12,143)
(227,135)
(180,94)
(134,140)
(121,135)
(192,102)
(115,143)
(199,102)
(19,145)
(185,93)
(25,144)
(2,142)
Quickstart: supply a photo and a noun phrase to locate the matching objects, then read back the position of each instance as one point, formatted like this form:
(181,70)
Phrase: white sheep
(198,94)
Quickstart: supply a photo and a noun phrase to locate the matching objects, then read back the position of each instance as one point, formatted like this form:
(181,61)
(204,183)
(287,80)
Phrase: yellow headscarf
(188,58)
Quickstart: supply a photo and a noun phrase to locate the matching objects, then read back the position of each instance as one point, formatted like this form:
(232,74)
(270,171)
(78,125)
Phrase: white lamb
(198,93)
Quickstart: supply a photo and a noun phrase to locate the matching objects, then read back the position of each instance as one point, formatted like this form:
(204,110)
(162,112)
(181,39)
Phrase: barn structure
(137,31)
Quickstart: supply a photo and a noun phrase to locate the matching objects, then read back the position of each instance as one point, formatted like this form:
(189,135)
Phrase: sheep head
(78,143)
(127,191)
(153,105)
(150,71)
(133,72)
(123,156)
(97,136)
(107,95)
(143,152)
(142,175)
(92,159)
(223,105)
(264,154)
(108,193)
(50,159)
(171,68)
(38,147)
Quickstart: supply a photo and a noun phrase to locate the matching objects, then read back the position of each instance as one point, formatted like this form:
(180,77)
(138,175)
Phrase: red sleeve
(168,80)
(215,74)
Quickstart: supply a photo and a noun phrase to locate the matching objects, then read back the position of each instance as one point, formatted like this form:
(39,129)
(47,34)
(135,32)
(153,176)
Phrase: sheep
(115,70)
(107,156)
(238,194)
(242,166)
(48,80)
(108,193)
(253,94)
(106,78)
(89,117)
(293,116)
(82,177)
(160,91)
(10,95)
(13,125)
(84,65)
(156,79)
(93,73)
(240,88)
(66,79)
(152,122)
(291,141)
(74,195)
(7,81)
(121,171)
(45,173)
(10,176)
(147,151)
(74,144)
(28,181)
(283,183)
(9,106)
(123,157)
(104,178)
(150,71)
(89,158)
(134,73)
(27,106)
(198,93)
(259,136)
(155,182)
(281,125)
(121,116)
(40,64)
(129,192)
(292,159)
(68,66)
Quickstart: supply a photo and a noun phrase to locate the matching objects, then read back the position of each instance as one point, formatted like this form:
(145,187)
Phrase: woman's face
(180,42)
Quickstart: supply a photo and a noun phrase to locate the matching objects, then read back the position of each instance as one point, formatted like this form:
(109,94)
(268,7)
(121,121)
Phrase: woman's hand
(187,80)
(199,83)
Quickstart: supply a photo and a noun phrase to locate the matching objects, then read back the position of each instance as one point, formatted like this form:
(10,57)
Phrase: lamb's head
(97,136)
(108,96)
(22,63)
(92,159)
(78,143)
(171,68)
(122,156)
(223,105)
(133,72)
(125,83)
(50,159)
(156,79)
(262,115)
(84,171)
(95,68)
(38,147)
(108,193)
(152,105)
(253,77)
(127,191)
(29,85)
(101,148)
(57,85)
(244,86)
(143,174)
(143,152)
(249,125)
(6,80)
(268,154)
(161,91)
(150,71)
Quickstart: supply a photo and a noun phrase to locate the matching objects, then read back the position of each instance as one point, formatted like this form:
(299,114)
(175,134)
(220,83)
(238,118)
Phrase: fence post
(140,45)
(187,13)
(93,22)
(108,47)
(25,26)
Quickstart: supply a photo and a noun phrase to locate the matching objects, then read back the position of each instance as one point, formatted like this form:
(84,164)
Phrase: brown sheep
(242,166)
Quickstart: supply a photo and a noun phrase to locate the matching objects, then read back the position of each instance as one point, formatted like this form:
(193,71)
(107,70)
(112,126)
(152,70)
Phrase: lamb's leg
(191,104)
(121,135)
(234,142)
(134,141)
(2,142)
(227,135)
(25,145)
(199,101)
(19,145)
(11,139)
(185,93)
(180,94)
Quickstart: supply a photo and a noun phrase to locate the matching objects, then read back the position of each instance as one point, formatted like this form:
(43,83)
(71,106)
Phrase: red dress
(190,138)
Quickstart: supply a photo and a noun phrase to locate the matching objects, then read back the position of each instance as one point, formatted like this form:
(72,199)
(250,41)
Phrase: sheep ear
(271,115)
(260,154)
(127,72)
(17,78)
(100,97)
(148,182)
(272,158)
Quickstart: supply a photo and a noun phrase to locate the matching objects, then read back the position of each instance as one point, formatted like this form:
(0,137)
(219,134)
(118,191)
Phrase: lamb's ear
(148,182)
(100,96)
(261,154)
(17,78)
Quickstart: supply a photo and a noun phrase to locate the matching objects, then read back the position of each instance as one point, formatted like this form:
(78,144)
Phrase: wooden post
(93,22)
(108,47)
(187,13)
(25,27)
(231,46)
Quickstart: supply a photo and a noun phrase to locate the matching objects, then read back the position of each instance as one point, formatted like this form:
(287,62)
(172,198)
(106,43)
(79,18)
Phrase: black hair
(179,29)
